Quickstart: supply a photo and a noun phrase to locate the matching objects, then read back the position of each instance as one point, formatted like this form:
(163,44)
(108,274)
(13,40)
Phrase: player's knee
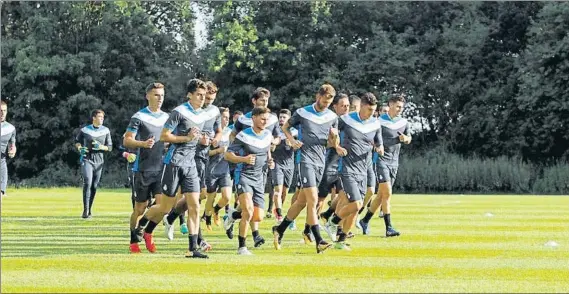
(258,215)
(139,209)
(247,213)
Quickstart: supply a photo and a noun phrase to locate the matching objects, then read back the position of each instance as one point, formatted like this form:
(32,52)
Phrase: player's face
(4,110)
(224,119)
(283,118)
(383,110)
(261,102)
(396,108)
(366,111)
(236,117)
(342,107)
(209,98)
(355,106)
(155,97)
(197,98)
(324,101)
(260,121)
(98,119)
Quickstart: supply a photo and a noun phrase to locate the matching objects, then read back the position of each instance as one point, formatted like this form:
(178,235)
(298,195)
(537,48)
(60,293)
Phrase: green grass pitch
(448,244)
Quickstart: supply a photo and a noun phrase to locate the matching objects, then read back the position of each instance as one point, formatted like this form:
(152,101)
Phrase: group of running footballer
(178,160)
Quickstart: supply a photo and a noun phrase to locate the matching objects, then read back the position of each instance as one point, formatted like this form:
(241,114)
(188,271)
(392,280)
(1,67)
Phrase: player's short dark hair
(211,87)
(368,99)
(3,102)
(194,84)
(96,112)
(223,109)
(260,93)
(260,110)
(340,97)
(397,98)
(354,98)
(285,111)
(153,86)
(239,112)
(327,90)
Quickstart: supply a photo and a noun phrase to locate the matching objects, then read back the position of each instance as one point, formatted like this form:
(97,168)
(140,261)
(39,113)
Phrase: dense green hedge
(433,172)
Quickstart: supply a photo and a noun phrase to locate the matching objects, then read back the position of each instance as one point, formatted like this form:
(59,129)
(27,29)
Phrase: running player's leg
(169,184)
(277,179)
(258,200)
(386,176)
(144,183)
(191,189)
(297,206)
(354,189)
(211,190)
(97,172)
(246,214)
(87,171)
(4,175)
(268,186)
(223,201)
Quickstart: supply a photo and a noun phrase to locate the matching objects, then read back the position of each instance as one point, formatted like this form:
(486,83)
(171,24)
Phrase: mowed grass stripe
(448,244)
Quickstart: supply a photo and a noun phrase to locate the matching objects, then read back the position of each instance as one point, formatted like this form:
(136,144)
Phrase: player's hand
(380,150)
(149,143)
(334,131)
(193,134)
(222,149)
(250,159)
(130,157)
(204,139)
(12,151)
(296,144)
(97,146)
(403,138)
(83,150)
(214,142)
(341,151)
(271,163)
(276,141)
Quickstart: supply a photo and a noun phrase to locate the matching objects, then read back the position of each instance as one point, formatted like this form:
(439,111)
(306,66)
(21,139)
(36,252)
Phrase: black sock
(216,208)
(316,233)
(306,229)
(368,217)
(255,234)
(172,216)
(270,208)
(133,238)
(226,208)
(328,213)
(236,215)
(387,220)
(150,227)
(182,218)
(193,240)
(200,237)
(341,236)
(235,205)
(361,210)
(279,211)
(340,231)
(368,204)
(142,222)
(282,227)
(242,241)
(336,219)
